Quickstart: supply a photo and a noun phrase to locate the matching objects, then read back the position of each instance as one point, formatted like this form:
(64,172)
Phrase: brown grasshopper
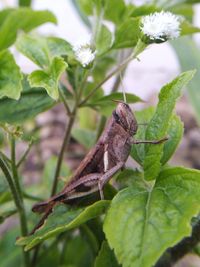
(107,157)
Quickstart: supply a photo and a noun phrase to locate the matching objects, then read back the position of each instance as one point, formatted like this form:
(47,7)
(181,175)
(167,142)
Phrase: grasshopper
(106,158)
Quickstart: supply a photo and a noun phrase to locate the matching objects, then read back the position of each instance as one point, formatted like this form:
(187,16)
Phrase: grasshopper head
(124,116)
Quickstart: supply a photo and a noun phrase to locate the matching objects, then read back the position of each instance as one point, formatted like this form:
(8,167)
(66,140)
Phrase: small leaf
(49,79)
(21,19)
(32,102)
(61,220)
(142,223)
(106,257)
(103,40)
(127,34)
(10,76)
(187,28)
(159,124)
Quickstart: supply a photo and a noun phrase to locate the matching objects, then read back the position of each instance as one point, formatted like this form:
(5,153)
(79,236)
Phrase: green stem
(18,205)
(14,167)
(62,97)
(62,150)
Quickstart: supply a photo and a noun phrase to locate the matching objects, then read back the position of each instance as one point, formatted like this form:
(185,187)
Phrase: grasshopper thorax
(125,117)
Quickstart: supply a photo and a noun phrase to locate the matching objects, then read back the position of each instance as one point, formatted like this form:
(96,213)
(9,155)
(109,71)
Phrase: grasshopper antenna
(123,88)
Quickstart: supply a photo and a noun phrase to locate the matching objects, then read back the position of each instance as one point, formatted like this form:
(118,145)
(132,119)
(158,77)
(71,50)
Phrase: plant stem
(62,150)
(18,204)
(14,168)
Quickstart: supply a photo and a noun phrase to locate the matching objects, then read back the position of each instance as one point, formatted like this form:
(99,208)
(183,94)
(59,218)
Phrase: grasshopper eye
(116,116)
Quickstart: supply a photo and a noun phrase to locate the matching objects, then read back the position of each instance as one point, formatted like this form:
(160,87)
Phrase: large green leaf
(42,50)
(159,123)
(63,219)
(106,257)
(49,79)
(174,133)
(10,76)
(127,34)
(27,107)
(21,19)
(143,222)
(189,60)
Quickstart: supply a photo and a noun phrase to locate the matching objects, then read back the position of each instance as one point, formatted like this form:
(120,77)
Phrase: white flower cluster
(83,51)
(161,26)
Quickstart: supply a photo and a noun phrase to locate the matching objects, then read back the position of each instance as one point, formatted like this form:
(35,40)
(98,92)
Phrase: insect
(107,157)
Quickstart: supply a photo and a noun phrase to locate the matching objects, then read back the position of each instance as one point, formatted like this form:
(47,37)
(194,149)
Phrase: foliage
(149,209)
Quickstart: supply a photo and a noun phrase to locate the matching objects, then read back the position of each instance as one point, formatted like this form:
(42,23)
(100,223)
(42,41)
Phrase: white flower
(161,26)
(83,51)
(84,41)
(85,56)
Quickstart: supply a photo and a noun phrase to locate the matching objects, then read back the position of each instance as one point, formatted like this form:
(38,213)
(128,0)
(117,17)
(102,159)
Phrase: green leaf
(106,257)
(103,40)
(34,48)
(187,28)
(127,34)
(59,47)
(142,10)
(159,124)
(10,76)
(32,102)
(25,2)
(42,50)
(22,19)
(185,10)
(142,223)
(6,214)
(174,133)
(9,252)
(49,79)
(84,136)
(189,60)
(107,105)
(61,220)
(84,257)
(113,10)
